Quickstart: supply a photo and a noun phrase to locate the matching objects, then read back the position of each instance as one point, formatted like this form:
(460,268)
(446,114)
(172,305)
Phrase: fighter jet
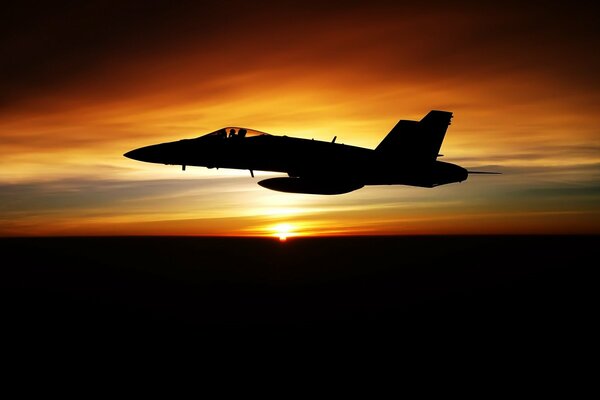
(406,156)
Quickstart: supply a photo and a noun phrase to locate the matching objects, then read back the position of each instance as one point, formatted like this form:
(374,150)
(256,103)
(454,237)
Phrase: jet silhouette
(406,156)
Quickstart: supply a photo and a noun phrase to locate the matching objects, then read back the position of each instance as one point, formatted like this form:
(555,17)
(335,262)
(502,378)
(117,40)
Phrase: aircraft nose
(164,153)
(153,154)
(134,154)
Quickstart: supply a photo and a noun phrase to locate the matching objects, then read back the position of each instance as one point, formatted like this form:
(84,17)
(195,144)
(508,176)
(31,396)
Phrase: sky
(81,83)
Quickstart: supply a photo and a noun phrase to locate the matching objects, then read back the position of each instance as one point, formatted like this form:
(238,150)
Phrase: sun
(283,231)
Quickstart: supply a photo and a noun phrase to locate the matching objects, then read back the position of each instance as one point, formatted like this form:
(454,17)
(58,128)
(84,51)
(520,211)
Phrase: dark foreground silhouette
(406,156)
(367,284)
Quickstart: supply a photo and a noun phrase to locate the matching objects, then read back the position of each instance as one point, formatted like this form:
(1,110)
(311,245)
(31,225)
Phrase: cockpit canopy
(235,132)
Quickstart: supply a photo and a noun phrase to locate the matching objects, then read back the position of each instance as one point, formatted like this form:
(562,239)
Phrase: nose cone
(152,154)
(133,154)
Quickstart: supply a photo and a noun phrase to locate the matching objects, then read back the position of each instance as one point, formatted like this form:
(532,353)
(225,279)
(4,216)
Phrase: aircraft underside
(440,173)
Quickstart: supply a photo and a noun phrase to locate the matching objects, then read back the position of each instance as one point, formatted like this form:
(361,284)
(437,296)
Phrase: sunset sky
(81,83)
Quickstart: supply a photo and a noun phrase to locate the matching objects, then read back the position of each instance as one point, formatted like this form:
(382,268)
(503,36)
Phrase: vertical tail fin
(414,141)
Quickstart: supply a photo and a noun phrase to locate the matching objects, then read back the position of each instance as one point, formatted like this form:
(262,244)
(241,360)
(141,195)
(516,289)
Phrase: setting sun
(283,231)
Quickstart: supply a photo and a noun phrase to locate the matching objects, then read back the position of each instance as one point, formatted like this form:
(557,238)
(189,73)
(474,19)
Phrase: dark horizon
(380,282)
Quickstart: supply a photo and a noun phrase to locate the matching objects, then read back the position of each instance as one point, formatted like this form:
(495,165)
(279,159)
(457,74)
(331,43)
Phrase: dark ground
(472,292)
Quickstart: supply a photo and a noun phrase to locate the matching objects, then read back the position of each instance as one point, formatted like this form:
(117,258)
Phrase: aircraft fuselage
(406,156)
(301,158)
